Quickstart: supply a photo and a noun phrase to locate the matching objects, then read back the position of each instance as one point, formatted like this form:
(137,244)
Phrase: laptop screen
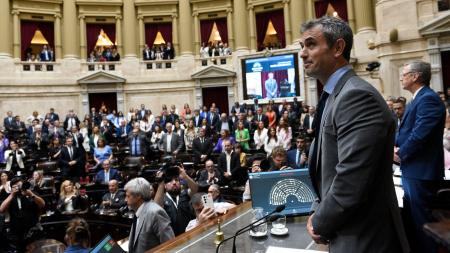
(291,188)
(107,245)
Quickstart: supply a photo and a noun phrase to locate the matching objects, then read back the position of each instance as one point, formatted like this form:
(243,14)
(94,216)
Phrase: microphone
(248,227)
(270,219)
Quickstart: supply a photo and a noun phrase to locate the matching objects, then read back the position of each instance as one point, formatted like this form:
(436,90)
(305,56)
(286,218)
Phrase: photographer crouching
(172,198)
(24,208)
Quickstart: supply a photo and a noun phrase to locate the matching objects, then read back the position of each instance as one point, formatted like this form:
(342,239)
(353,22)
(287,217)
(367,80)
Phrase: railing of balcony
(158,64)
(216,60)
(105,66)
(28,66)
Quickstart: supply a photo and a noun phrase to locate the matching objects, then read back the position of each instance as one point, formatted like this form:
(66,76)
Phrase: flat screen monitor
(291,188)
(271,77)
(107,245)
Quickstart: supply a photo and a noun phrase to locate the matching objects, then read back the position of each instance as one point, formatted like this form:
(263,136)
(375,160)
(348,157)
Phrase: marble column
(119,34)
(310,14)
(6,41)
(240,25)
(69,38)
(298,17)
(57,28)
(364,17)
(252,27)
(176,44)
(141,33)
(129,28)
(230,28)
(351,14)
(196,33)
(185,27)
(287,22)
(83,48)
(16,37)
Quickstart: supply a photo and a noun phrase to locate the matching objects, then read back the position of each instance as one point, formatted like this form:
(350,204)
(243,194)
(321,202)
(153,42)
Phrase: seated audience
(210,175)
(202,214)
(78,236)
(115,198)
(107,173)
(69,198)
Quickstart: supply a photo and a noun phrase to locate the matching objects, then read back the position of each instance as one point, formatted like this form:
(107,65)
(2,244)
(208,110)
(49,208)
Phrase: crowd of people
(45,55)
(215,49)
(103,54)
(158,52)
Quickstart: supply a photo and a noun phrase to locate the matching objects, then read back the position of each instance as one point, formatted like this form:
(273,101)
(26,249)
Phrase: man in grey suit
(151,225)
(271,87)
(170,142)
(351,157)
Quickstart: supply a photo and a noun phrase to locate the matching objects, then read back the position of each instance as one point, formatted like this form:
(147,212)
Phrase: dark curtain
(278,75)
(27,29)
(216,95)
(445,56)
(206,27)
(93,30)
(151,29)
(262,22)
(340,6)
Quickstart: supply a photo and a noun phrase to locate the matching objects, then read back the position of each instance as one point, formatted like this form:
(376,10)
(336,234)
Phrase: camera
(169,169)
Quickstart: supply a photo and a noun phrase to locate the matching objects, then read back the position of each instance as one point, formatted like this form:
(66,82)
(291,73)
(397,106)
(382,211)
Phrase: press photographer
(172,197)
(24,208)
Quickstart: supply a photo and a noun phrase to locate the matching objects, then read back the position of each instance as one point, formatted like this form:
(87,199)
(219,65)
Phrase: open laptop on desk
(292,188)
(107,245)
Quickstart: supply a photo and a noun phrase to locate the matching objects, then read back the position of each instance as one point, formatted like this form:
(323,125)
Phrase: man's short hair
(196,199)
(423,69)
(139,186)
(333,29)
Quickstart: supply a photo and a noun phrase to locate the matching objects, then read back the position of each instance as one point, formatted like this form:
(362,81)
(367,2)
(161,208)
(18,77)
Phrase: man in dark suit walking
(419,150)
(351,156)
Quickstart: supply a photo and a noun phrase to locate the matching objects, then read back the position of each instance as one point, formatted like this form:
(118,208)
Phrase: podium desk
(201,238)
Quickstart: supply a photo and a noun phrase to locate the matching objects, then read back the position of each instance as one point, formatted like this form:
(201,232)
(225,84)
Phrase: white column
(175,42)
(252,27)
(83,48)
(434,53)
(119,34)
(287,22)
(230,28)
(141,34)
(57,28)
(16,37)
(196,33)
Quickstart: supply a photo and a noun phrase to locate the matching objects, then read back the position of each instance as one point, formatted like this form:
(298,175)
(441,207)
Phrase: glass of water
(260,228)
(280,223)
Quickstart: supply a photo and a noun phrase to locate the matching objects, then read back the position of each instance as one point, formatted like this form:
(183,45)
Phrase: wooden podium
(201,238)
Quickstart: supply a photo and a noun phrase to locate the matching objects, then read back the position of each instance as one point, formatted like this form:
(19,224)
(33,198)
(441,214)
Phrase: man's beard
(175,191)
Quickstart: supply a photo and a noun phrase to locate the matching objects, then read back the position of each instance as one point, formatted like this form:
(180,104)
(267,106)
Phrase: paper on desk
(272,249)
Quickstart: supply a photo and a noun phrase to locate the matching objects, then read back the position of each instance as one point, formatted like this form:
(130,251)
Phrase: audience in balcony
(158,52)
(215,49)
(104,54)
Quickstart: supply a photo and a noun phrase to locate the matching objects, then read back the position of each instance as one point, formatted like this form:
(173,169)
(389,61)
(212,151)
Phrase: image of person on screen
(271,86)
(350,159)
(285,88)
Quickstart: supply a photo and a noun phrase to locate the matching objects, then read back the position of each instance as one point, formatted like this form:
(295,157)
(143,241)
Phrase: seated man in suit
(298,158)
(201,147)
(115,198)
(107,174)
(230,166)
(170,142)
(151,225)
(210,175)
(71,161)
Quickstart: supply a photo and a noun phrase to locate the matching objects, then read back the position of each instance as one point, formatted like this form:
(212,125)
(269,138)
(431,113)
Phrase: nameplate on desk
(272,249)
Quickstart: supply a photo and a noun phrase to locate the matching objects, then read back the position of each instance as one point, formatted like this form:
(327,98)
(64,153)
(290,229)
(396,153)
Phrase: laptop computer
(107,245)
(292,188)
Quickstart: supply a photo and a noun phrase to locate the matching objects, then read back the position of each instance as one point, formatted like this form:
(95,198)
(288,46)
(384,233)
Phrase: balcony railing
(27,66)
(158,64)
(216,60)
(105,66)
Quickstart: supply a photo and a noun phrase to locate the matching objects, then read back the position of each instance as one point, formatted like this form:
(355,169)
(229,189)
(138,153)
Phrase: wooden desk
(440,232)
(201,238)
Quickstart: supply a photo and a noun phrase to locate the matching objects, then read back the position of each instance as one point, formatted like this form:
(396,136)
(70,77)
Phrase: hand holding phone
(207,201)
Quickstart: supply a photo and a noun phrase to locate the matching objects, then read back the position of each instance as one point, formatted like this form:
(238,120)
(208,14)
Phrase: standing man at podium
(351,156)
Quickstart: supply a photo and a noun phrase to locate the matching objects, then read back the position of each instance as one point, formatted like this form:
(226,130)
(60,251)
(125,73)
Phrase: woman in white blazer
(18,153)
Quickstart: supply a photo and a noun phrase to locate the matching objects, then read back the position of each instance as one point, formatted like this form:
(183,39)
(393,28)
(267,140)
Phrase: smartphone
(208,201)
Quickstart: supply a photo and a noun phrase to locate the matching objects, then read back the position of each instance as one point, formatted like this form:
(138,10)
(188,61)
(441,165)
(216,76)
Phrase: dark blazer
(139,113)
(67,170)
(142,143)
(357,207)
(175,145)
(52,117)
(292,157)
(215,120)
(100,177)
(197,123)
(8,126)
(420,137)
(264,119)
(199,148)
(66,122)
(203,178)
(306,121)
(117,202)
(172,118)
(230,126)
(234,166)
